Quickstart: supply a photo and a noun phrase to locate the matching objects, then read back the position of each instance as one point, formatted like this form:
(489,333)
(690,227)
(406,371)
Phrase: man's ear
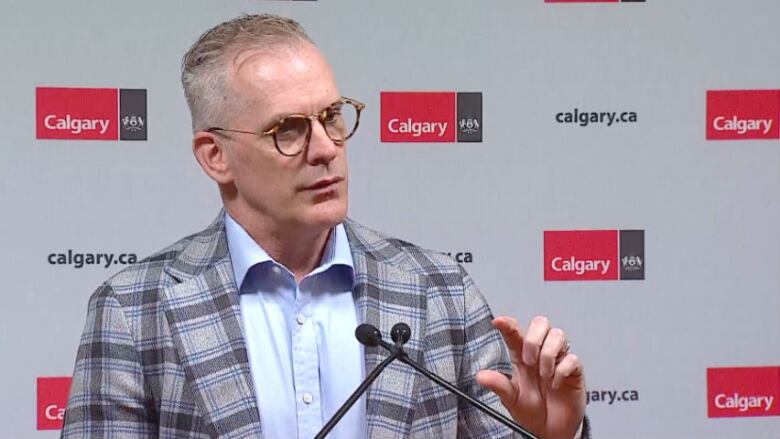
(210,152)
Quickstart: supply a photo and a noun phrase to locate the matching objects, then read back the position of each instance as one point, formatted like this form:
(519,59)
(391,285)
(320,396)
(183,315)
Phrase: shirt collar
(337,251)
(246,253)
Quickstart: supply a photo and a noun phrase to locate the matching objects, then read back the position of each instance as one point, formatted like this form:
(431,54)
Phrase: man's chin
(327,214)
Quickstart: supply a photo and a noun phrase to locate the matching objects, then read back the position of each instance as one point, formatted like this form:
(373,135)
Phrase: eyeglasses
(292,133)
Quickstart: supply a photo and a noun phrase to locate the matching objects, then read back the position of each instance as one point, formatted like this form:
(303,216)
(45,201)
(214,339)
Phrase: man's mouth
(323,184)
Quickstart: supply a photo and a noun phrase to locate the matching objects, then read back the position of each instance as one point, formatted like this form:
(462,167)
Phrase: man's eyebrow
(273,120)
(276,117)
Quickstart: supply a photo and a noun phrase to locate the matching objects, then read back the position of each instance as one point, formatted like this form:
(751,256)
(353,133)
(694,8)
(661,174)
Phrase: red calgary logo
(431,116)
(418,116)
(581,255)
(594,255)
(743,114)
(90,113)
(76,113)
(743,391)
(52,399)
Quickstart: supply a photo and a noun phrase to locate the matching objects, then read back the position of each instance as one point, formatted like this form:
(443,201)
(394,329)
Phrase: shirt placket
(306,367)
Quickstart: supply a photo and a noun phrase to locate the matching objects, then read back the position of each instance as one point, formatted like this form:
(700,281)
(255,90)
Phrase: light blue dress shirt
(303,355)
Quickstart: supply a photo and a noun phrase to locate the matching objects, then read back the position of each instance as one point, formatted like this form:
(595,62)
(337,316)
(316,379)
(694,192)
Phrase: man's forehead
(286,80)
(253,58)
(278,62)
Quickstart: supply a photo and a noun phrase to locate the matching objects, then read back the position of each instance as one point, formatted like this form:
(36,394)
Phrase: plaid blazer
(163,355)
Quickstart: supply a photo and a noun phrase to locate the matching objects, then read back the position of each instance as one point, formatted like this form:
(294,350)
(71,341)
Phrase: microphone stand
(484,408)
(370,336)
(395,352)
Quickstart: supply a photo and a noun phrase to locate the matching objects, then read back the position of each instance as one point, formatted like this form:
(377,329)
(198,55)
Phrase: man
(245,329)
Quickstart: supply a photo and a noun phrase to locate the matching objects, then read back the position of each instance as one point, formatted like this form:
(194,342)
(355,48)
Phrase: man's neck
(298,250)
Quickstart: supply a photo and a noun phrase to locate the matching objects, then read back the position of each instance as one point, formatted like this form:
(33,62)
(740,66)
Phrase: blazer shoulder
(155,271)
(403,254)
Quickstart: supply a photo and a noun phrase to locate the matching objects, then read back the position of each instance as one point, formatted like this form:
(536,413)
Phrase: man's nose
(321,149)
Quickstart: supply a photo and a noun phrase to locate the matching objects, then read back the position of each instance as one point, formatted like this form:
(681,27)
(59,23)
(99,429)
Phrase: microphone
(367,335)
(401,334)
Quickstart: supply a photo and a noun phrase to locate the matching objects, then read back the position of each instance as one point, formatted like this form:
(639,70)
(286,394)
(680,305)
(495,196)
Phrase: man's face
(306,192)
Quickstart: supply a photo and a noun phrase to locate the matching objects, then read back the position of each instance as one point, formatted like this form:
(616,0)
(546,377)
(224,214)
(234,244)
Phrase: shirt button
(307,398)
(276,270)
(301,320)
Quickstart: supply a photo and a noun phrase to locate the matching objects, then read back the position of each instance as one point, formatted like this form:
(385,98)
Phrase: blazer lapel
(386,295)
(204,317)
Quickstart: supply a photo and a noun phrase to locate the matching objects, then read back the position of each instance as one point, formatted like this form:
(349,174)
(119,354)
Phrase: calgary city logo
(469,125)
(431,116)
(133,123)
(743,114)
(90,113)
(743,391)
(631,263)
(52,399)
(594,255)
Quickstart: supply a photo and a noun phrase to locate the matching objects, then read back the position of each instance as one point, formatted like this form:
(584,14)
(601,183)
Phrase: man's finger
(534,337)
(498,383)
(552,347)
(570,366)
(513,336)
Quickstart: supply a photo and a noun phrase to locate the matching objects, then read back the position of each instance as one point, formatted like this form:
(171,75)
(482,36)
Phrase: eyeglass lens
(339,121)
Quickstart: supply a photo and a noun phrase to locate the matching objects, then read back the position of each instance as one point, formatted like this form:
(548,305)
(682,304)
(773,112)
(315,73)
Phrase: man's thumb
(497,382)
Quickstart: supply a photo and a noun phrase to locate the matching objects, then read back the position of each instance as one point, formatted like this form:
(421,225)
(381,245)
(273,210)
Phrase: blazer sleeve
(108,397)
(484,349)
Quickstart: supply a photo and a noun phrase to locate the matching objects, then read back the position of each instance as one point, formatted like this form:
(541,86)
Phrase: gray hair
(204,68)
